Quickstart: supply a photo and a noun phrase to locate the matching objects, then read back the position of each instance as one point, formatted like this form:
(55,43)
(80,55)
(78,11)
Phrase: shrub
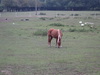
(43,18)
(80,30)
(56,24)
(50,18)
(72,29)
(42,14)
(76,15)
(1,7)
(40,32)
(61,14)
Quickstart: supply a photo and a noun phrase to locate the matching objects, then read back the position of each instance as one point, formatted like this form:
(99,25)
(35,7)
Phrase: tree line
(31,5)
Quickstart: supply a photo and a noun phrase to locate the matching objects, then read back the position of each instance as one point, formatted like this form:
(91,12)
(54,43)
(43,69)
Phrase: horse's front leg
(49,40)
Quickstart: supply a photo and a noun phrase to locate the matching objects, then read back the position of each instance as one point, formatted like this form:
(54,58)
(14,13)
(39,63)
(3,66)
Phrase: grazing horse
(57,34)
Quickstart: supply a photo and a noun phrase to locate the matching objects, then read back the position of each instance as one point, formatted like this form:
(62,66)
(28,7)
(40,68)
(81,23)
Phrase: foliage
(42,13)
(87,29)
(56,24)
(43,18)
(46,18)
(1,8)
(40,32)
(54,4)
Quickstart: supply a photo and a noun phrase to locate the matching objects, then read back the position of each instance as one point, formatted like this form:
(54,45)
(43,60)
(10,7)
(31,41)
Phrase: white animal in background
(82,25)
(90,23)
(13,23)
(80,22)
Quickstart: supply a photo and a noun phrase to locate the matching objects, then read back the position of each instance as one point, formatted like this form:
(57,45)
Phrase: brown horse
(57,34)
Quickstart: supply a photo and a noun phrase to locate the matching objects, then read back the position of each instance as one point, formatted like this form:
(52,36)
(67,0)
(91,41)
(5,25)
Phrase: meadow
(24,49)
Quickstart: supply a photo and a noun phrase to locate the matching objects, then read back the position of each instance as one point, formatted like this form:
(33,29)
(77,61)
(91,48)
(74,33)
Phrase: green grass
(24,53)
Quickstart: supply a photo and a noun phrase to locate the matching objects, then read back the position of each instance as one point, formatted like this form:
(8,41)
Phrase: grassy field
(24,49)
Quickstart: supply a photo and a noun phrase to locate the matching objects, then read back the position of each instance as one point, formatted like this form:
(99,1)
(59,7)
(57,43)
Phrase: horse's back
(54,33)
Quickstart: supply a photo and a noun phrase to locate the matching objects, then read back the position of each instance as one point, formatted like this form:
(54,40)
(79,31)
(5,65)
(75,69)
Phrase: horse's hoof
(61,46)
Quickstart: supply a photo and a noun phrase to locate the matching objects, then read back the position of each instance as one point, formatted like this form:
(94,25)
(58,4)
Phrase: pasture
(24,49)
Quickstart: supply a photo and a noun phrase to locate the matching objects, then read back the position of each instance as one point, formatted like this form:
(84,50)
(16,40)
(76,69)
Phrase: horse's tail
(59,36)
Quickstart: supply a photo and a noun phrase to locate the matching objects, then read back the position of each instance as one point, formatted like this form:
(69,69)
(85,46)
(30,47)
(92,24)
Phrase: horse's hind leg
(56,42)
